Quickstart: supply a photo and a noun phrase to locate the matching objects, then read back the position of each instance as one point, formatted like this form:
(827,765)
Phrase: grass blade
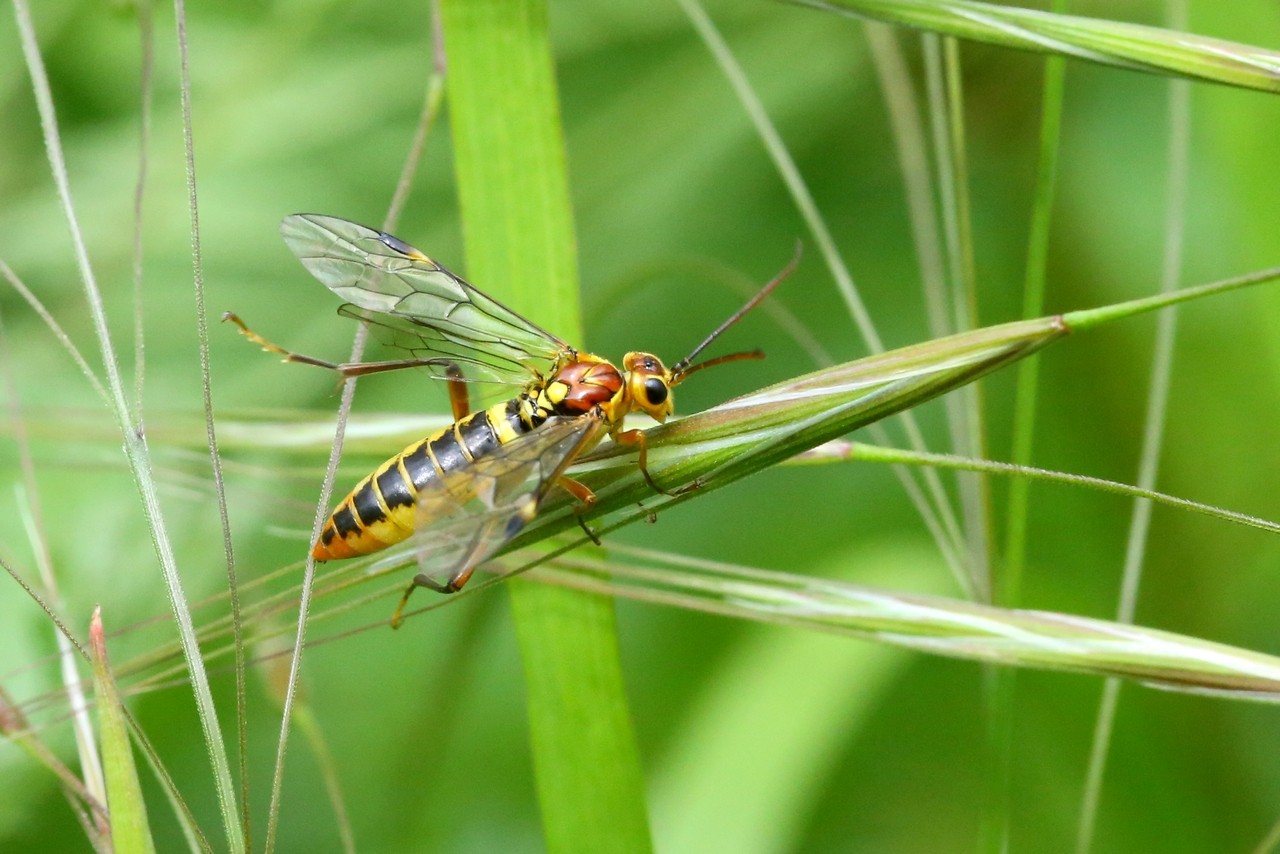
(135,447)
(129,829)
(1132,46)
(950,627)
(516,217)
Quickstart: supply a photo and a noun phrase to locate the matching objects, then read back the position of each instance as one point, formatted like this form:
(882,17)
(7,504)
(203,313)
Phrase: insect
(471,487)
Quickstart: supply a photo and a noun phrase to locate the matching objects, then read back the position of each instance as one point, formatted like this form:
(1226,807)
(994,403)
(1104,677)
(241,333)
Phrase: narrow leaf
(950,627)
(513,185)
(128,811)
(1121,45)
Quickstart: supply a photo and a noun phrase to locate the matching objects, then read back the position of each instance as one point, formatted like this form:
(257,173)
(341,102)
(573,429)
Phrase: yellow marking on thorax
(554,393)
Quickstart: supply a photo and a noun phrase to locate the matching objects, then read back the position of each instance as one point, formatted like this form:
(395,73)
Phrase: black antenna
(685,366)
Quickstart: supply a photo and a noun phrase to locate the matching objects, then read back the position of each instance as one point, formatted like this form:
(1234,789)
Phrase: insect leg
(453,585)
(637,437)
(459,395)
(586,500)
(347,369)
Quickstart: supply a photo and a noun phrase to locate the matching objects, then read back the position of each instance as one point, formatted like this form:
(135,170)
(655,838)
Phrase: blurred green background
(753,737)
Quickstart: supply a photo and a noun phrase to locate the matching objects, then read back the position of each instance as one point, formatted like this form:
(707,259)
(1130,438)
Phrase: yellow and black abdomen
(383,508)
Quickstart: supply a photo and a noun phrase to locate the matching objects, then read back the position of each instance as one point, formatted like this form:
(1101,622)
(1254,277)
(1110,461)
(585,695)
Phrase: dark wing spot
(400,246)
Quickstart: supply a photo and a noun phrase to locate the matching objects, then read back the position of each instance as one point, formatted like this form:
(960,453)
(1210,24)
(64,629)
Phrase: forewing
(380,273)
(423,342)
(465,517)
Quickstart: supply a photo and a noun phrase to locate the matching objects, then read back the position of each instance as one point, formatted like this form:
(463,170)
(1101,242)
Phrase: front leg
(459,394)
(453,585)
(586,500)
(637,437)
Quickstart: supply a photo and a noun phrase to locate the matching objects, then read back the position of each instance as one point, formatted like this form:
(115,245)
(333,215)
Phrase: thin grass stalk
(432,101)
(947,122)
(965,423)
(59,334)
(938,515)
(1033,294)
(211,434)
(949,627)
(134,439)
(1008,585)
(965,409)
(1111,43)
(860,452)
(308,578)
(787,170)
(909,142)
(146,49)
(1153,431)
(913,161)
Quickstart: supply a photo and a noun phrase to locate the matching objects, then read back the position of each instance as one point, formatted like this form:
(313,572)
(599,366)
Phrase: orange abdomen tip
(335,549)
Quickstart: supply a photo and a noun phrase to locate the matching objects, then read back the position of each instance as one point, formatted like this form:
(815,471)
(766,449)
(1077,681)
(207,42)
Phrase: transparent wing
(426,343)
(465,517)
(379,273)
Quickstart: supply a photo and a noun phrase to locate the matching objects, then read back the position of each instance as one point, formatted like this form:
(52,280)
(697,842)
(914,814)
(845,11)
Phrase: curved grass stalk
(858,451)
(1112,43)
(718,446)
(949,627)
(433,101)
(211,433)
(134,439)
(929,498)
(1153,432)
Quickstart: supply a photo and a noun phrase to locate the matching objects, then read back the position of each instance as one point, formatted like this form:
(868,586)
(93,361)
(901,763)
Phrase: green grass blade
(1034,639)
(1114,43)
(129,830)
(211,434)
(1091,317)
(1033,291)
(513,186)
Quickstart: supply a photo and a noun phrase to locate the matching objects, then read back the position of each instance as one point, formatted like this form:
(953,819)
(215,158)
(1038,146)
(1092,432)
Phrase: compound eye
(655,391)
